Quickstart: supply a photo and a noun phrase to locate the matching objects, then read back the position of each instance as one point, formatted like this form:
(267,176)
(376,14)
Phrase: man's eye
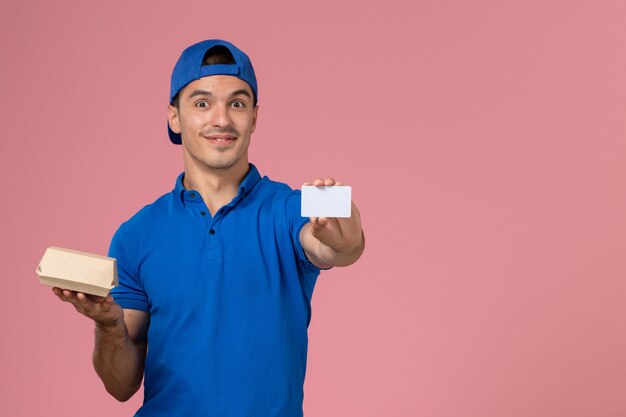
(238,104)
(202,104)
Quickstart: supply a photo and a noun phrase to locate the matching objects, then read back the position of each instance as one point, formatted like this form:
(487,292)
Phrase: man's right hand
(103,310)
(121,344)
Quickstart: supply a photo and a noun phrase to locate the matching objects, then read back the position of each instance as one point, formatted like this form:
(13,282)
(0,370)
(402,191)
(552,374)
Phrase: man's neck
(217,187)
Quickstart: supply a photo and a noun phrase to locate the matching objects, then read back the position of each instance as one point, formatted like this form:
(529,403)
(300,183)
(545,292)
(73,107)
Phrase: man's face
(215,118)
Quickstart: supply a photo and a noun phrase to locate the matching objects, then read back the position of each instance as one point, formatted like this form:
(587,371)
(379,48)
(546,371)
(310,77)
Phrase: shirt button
(193,195)
(212,231)
(203,213)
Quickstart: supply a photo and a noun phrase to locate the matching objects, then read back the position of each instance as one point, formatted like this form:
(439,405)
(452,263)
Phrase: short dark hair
(219,54)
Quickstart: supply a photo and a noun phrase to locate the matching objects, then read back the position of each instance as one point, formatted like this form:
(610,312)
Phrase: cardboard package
(78,271)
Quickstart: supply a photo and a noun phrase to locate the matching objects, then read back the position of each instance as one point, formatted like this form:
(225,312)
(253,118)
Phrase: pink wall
(486,144)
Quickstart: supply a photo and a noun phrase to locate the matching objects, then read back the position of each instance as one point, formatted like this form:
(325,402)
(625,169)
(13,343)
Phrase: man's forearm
(117,360)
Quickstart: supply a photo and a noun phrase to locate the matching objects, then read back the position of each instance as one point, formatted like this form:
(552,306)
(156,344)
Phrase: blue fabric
(229,311)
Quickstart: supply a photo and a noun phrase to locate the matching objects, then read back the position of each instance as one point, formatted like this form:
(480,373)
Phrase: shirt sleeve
(296,223)
(129,293)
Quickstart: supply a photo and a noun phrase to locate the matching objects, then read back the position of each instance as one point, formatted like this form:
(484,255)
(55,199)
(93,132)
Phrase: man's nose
(219,116)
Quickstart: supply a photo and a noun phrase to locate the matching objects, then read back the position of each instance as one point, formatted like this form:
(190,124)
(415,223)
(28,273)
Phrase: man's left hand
(330,241)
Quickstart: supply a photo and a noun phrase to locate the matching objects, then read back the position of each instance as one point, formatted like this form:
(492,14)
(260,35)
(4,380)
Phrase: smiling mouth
(221,139)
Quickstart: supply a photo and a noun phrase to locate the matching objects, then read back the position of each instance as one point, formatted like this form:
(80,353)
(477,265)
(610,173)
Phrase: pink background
(485,141)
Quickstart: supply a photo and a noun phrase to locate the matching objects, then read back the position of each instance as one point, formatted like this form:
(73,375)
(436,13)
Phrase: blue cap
(189,68)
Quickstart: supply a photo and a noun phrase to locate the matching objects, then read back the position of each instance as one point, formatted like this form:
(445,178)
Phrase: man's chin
(222,165)
(216,161)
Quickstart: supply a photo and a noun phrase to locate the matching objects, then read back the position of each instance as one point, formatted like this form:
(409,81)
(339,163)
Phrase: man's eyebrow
(208,93)
(242,92)
(200,93)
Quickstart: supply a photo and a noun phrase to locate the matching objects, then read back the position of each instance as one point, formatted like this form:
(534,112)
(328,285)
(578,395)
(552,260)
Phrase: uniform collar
(246,185)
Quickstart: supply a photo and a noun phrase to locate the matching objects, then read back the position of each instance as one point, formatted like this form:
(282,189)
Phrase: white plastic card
(335,201)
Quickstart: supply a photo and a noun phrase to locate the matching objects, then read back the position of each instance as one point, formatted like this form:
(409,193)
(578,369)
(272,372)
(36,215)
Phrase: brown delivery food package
(78,271)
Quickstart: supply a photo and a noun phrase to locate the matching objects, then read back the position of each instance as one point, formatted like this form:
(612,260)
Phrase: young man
(215,277)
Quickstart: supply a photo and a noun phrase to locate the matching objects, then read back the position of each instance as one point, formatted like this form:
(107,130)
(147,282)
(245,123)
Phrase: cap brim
(174,137)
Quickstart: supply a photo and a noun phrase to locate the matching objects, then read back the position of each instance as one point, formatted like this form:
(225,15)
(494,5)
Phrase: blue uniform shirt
(229,299)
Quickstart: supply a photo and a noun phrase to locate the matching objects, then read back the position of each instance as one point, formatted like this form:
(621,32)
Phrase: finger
(306,184)
(84,301)
(69,295)
(329,182)
(317,230)
(96,298)
(318,182)
(339,183)
(59,293)
(319,226)
(107,303)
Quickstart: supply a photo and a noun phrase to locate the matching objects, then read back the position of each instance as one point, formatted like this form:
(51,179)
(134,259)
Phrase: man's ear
(254,115)
(172,119)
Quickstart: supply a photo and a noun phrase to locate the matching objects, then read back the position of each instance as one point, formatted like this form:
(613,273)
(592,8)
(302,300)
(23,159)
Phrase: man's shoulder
(275,195)
(275,189)
(278,198)
(150,213)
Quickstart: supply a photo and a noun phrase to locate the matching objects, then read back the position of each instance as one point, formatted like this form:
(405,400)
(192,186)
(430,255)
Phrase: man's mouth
(221,139)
